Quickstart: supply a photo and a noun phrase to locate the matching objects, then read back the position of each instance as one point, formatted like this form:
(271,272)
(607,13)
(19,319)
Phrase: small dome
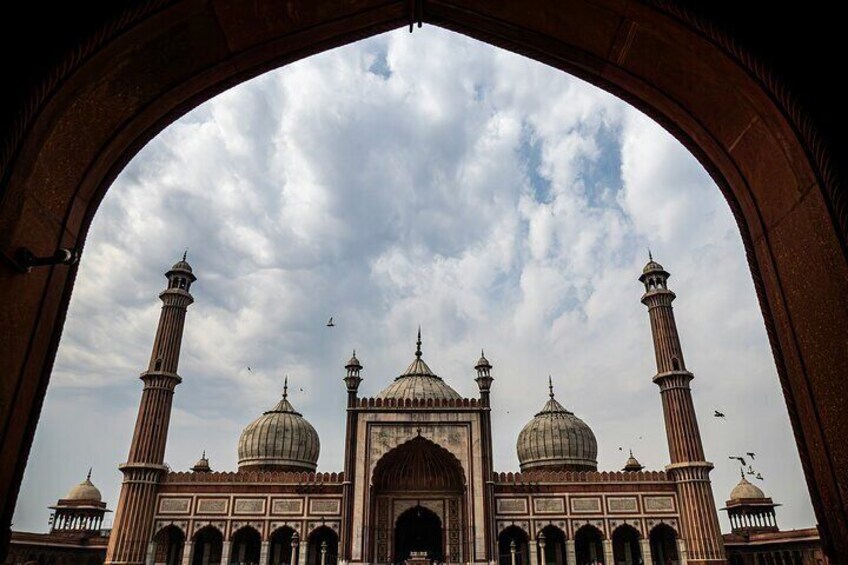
(182,265)
(202,465)
(632,464)
(354,362)
(556,439)
(483,362)
(419,382)
(85,491)
(280,439)
(745,490)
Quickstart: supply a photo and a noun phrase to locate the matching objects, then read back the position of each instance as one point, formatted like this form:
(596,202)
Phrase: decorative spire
(204,455)
(185,253)
(418,344)
(88,478)
(286,388)
(650,257)
(550,387)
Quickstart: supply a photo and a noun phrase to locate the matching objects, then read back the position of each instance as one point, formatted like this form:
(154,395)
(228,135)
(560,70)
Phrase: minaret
(484,383)
(352,381)
(698,516)
(144,468)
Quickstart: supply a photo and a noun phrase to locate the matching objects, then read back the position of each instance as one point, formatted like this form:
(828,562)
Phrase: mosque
(418,484)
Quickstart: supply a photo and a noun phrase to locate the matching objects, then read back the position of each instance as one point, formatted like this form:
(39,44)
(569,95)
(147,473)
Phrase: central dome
(555,439)
(418,382)
(281,439)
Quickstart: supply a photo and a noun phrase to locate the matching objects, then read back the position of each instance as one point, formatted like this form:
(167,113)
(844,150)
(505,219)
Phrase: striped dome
(281,439)
(418,382)
(556,439)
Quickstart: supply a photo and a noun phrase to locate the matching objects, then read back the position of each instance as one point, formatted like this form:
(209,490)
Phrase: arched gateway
(418,490)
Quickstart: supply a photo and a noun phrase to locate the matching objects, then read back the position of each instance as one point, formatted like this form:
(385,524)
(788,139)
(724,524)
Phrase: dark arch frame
(554,552)
(245,545)
(217,543)
(594,551)
(126,75)
(280,546)
(522,546)
(431,521)
(174,548)
(635,546)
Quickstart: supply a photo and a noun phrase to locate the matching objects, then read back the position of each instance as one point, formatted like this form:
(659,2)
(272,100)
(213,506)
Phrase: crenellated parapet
(419,403)
(581,477)
(275,477)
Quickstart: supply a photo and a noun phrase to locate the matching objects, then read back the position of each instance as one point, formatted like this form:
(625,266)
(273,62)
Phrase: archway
(282,550)
(418,530)
(418,480)
(588,545)
(208,546)
(513,547)
(664,545)
(246,546)
(323,548)
(553,552)
(626,549)
(170,542)
(752,133)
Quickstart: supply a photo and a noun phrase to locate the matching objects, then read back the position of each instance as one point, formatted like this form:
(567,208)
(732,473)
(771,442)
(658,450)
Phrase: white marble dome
(745,490)
(556,439)
(85,491)
(281,439)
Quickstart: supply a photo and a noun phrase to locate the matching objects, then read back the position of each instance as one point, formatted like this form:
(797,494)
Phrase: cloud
(405,180)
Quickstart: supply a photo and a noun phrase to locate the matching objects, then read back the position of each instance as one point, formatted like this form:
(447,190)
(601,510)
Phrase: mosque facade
(418,483)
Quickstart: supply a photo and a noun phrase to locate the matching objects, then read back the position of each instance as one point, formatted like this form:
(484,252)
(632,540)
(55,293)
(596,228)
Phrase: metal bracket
(415,12)
(25,259)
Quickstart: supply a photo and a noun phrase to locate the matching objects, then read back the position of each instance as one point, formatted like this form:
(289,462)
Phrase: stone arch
(323,546)
(170,544)
(418,464)
(626,546)
(208,546)
(245,545)
(754,136)
(554,550)
(282,547)
(588,544)
(513,546)
(663,542)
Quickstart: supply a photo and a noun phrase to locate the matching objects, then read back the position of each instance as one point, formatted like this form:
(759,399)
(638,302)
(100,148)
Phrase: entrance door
(418,530)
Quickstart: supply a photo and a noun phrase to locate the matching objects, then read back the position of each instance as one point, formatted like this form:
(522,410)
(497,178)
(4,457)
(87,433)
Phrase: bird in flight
(759,476)
(248,368)
(740,459)
(751,470)
(719,414)
(330,323)
(750,454)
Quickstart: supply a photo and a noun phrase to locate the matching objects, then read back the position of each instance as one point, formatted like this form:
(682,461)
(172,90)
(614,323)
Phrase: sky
(410,179)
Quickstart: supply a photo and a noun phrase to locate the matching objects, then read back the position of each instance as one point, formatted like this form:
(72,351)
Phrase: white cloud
(402,180)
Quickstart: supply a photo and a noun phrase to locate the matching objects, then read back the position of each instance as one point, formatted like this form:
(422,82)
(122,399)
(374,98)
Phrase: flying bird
(740,459)
(759,476)
(248,368)
(719,414)
(620,449)
(751,455)
(330,323)
(751,470)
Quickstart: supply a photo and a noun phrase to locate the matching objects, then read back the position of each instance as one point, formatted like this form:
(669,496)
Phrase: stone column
(301,553)
(188,550)
(151,553)
(609,559)
(225,552)
(682,551)
(570,552)
(645,544)
(263,553)
(533,552)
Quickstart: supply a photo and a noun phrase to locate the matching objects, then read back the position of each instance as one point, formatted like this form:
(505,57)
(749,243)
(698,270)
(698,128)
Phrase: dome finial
(286,388)
(185,253)
(418,344)
(650,256)
(550,387)
(204,455)
(88,477)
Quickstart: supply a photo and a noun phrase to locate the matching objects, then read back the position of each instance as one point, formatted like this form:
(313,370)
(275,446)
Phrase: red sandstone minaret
(131,531)
(698,516)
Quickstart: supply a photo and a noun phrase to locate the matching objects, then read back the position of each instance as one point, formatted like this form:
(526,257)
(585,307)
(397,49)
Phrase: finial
(650,256)
(742,472)
(418,344)
(354,353)
(88,478)
(482,353)
(550,386)
(631,453)
(286,388)
(185,253)
(204,455)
